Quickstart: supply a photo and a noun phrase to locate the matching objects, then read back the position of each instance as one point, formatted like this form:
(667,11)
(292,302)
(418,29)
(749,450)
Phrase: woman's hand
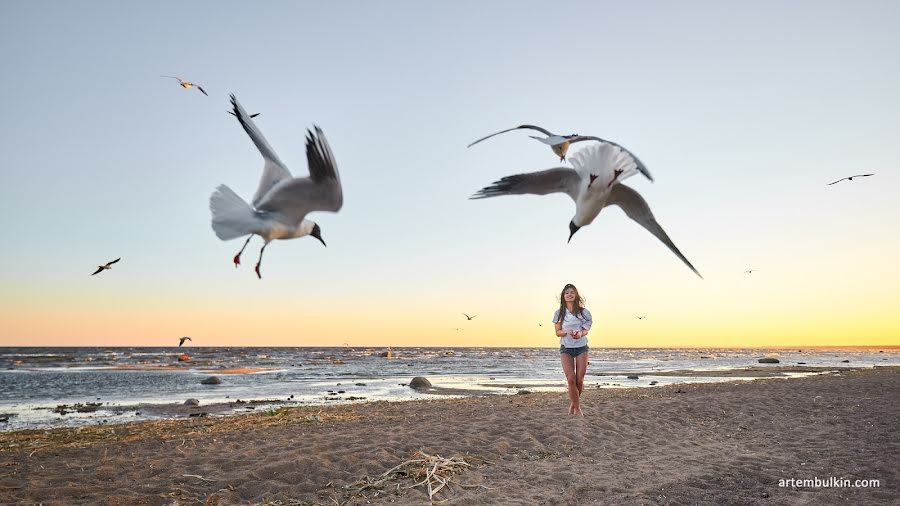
(577,334)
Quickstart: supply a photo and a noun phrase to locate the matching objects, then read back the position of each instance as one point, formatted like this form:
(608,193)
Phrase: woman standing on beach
(573,322)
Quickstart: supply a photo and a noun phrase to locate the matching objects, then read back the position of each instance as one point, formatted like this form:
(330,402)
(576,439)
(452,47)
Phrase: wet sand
(724,443)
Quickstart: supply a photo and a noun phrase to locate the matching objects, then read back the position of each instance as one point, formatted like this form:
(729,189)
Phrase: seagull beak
(572,229)
(317,233)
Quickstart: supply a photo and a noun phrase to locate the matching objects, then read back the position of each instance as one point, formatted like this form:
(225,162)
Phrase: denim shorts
(573,351)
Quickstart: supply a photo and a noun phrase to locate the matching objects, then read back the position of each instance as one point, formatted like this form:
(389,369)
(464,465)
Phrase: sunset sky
(742,112)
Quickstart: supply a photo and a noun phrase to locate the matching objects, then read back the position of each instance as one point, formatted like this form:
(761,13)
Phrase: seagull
(187,84)
(560,144)
(850,178)
(591,185)
(183,339)
(101,268)
(641,317)
(235,115)
(469,318)
(281,202)
(457,329)
(749,271)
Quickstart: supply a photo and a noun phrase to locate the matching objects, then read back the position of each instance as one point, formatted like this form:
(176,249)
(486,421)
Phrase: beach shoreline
(722,443)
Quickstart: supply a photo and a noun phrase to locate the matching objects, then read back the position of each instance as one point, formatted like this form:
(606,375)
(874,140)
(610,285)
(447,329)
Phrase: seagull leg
(237,258)
(260,260)
(616,174)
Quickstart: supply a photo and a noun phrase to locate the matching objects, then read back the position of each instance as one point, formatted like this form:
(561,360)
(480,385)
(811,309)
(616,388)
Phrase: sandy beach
(726,443)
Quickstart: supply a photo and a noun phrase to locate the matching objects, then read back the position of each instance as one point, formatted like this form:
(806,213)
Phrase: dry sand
(727,443)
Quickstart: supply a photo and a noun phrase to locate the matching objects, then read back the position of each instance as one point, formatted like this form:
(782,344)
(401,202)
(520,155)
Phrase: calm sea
(34,381)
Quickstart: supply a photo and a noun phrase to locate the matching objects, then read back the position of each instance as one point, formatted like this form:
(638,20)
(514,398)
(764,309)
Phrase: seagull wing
(531,127)
(838,181)
(321,191)
(201,89)
(558,180)
(99,269)
(637,209)
(173,77)
(637,161)
(114,261)
(274,170)
(864,175)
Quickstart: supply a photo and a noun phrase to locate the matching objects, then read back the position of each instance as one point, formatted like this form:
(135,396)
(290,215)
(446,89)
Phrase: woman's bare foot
(571,409)
(578,412)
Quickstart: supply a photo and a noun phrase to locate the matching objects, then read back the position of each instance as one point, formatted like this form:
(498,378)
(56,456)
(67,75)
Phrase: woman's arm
(586,324)
(559,330)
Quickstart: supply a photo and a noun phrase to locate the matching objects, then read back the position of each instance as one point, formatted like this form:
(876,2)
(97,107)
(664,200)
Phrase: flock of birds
(281,203)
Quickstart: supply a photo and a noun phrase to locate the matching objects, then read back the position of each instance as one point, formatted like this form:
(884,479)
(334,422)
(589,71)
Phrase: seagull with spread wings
(183,339)
(187,84)
(593,183)
(279,207)
(107,266)
(849,178)
(560,143)
(469,318)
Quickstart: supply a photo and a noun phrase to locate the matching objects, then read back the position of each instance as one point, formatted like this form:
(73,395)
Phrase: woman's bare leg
(581,362)
(568,365)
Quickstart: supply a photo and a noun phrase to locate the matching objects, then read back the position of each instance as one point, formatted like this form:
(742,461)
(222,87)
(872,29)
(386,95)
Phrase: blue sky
(742,111)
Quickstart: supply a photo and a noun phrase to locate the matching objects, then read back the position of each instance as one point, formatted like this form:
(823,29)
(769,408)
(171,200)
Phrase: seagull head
(572,229)
(317,233)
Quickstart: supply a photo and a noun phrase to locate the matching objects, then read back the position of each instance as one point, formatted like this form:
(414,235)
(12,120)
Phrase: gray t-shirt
(572,322)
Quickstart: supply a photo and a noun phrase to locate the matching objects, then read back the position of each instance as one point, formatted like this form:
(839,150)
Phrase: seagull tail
(232,216)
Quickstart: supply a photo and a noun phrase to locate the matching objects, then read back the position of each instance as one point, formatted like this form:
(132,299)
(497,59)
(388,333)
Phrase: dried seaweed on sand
(434,472)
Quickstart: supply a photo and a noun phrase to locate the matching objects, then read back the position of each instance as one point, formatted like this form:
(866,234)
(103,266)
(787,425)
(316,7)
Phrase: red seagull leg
(237,258)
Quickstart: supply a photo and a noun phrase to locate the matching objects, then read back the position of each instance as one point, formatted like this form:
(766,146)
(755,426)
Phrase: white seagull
(107,266)
(187,84)
(560,144)
(281,202)
(593,184)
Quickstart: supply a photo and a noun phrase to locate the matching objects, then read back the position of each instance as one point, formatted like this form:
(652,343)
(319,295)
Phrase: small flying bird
(101,268)
(252,115)
(849,178)
(187,84)
(457,329)
(560,144)
(750,271)
(603,162)
(281,203)
(641,317)
(183,339)
(469,318)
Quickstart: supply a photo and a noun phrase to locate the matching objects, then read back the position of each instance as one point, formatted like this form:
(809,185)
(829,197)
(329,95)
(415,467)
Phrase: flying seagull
(750,271)
(849,178)
(593,183)
(187,84)
(641,317)
(101,268)
(235,115)
(560,144)
(183,339)
(281,203)
(469,318)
